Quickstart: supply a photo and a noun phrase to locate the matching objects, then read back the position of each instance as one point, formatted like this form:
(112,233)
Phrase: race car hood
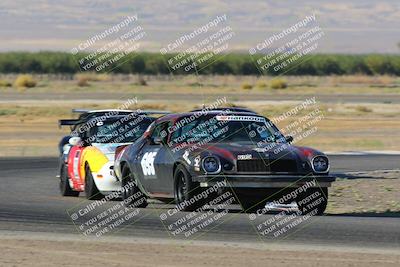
(234,151)
(108,149)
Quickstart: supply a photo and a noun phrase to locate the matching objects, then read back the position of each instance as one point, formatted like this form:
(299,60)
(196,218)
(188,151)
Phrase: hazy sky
(350,26)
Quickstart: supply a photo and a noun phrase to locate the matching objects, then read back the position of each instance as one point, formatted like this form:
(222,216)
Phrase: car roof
(231,109)
(117,117)
(176,116)
(101,110)
(106,112)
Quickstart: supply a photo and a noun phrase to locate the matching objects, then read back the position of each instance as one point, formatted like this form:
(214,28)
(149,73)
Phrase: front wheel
(313,201)
(90,186)
(131,195)
(187,193)
(65,188)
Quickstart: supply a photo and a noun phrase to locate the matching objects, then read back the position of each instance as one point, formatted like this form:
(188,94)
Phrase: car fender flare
(184,164)
(94,158)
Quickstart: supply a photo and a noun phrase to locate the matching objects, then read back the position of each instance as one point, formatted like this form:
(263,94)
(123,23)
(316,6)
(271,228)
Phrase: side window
(86,137)
(160,131)
(83,133)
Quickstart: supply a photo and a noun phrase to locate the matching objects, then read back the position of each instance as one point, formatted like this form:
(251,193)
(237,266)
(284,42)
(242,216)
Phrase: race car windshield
(226,129)
(119,130)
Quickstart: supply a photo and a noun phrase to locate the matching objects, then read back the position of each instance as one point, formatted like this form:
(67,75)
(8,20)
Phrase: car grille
(283,165)
(257,165)
(260,165)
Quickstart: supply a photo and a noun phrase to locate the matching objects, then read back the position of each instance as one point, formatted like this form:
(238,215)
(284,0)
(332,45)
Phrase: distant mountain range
(358,26)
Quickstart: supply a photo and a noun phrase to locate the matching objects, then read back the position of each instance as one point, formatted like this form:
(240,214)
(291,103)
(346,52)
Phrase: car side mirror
(157,140)
(75,141)
(289,138)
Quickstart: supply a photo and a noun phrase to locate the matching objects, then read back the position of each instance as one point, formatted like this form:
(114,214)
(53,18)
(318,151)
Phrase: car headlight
(211,165)
(320,164)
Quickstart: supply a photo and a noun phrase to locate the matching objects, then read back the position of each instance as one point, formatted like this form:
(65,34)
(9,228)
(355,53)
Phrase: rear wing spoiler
(70,122)
(73,122)
(79,110)
(161,112)
(139,111)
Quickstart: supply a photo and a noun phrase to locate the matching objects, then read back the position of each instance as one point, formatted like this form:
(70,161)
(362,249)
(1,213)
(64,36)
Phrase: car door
(155,162)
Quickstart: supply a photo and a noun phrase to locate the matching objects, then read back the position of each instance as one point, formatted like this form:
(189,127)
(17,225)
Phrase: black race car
(180,156)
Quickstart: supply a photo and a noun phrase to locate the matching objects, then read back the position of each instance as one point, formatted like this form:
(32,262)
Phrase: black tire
(132,196)
(65,189)
(185,189)
(166,200)
(313,201)
(91,190)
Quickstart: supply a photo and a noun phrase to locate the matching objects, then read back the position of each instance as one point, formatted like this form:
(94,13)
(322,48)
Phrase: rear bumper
(265,181)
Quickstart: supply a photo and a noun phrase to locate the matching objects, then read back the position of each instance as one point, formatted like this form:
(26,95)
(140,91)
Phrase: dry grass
(364,196)
(93,77)
(362,79)
(261,84)
(363,109)
(142,81)
(278,84)
(5,83)
(25,81)
(83,82)
(207,85)
(247,86)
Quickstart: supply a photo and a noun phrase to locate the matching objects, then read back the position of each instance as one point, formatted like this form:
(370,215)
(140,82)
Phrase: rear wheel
(185,190)
(65,188)
(313,201)
(91,190)
(131,194)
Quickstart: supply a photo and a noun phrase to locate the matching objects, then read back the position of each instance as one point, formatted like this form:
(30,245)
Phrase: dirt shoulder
(58,250)
(379,196)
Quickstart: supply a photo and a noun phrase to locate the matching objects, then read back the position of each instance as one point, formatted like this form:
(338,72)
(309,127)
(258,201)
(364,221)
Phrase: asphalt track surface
(30,201)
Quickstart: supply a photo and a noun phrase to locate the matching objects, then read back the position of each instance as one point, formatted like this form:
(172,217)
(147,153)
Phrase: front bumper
(105,179)
(264,181)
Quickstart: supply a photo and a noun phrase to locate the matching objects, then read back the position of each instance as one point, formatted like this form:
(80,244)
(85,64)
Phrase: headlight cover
(211,165)
(320,164)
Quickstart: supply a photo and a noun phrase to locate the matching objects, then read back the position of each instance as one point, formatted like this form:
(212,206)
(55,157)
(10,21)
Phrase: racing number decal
(147,163)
